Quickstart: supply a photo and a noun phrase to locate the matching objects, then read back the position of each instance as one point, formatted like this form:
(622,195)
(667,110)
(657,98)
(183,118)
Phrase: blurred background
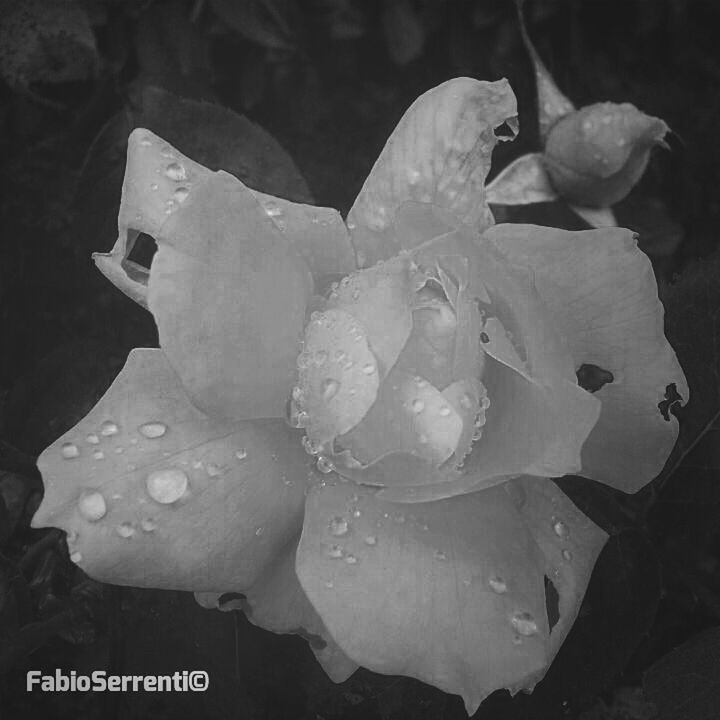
(328,80)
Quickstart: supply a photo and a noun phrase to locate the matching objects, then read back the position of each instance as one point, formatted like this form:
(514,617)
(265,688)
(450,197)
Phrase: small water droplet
(320,357)
(93,439)
(181,194)
(339,526)
(369,368)
(324,465)
(356,513)
(259,531)
(119,450)
(153,430)
(146,142)
(329,585)
(311,447)
(92,506)
(371,540)
(524,623)
(440,555)
(241,454)
(148,525)
(99,455)
(400,518)
(175,172)
(350,559)
(567,555)
(561,529)
(466,401)
(76,557)
(213,470)
(417,406)
(70,450)
(444,411)
(335,551)
(109,428)
(125,530)
(329,388)
(154,186)
(166,486)
(498,584)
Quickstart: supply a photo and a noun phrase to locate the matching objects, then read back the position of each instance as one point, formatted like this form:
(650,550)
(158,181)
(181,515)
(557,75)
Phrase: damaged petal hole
(140,251)
(591,377)
(552,603)
(671,400)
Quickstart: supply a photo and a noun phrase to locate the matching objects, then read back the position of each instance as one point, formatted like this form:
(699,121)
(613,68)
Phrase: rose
(406,520)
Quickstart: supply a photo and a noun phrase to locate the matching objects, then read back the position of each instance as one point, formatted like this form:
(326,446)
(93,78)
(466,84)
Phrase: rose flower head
(354,424)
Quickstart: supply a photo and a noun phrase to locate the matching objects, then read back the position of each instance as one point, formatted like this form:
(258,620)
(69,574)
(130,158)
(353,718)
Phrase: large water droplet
(329,388)
(92,506)
(524,623)
(181,194)
(167,486)
(125,530)
(498,584)
(339,526)
(69,450)
(175,172)
(561,529)
(153,430)
(109,428)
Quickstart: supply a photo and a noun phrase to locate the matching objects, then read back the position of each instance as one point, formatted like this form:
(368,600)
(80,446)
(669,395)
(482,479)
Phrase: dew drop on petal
(329,388)
(329,585)
(213,469)
(335,551)
(92,505)
(181,194)
(350,559)
(498,584)
(259,531)
(93,439)
(175,172)
(148,524)
(324,465)
(371,540)
(417,406)
(109,428)
(125,530)
(166,486)
(98,455)
(369,368)
(153,430)
(76,557)
(524,623)
(567,555)
(444,411)
(69,450)
(356,513)
(466,402)
(241,454)
(561,529)
(440,555)
(338,526)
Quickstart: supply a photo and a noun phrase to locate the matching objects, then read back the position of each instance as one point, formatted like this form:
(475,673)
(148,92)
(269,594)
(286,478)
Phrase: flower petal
(601,293)
(228,292)
(450,592)
(523,181)
(277,602)
(153,493)
(440,153)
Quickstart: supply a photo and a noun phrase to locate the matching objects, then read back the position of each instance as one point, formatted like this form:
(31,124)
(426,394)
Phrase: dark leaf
(404,34)
(266,22)
(685,684)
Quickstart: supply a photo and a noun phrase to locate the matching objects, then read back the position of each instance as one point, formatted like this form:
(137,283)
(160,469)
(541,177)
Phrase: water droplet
(335,551)
(356,513)
(350,559)
(324,465)
(417,406)
(241,454)
(498,584)
(181,194)
(329,388)
(298,394)
(444,411)
(371,540)
(369,368)
(148,524)
(146,142)
(561,529)
(311,447)
(567,555)
(93,439)
(91,505)
(109,428)
(166,486)
(76,557)
(440,555)
(119,450)
(466,401)
(154,186)
(524,623)
(329,585)
(99,455)
(153,430)
(125,530)
(272,209)
(320,357)
(259,531)
(339,526)
(175,172)
(213,470)
(69,450)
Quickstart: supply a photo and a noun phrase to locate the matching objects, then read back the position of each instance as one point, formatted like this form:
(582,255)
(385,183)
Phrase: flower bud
(594,156)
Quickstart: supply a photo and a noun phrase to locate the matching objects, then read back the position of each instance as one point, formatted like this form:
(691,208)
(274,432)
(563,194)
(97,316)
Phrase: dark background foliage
(329,79)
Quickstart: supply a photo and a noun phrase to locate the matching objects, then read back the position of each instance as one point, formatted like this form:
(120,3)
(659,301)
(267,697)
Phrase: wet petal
(228,292)
(277,602)
(439,153)
(449,592)
(410,415)
(602,295)
(153,493)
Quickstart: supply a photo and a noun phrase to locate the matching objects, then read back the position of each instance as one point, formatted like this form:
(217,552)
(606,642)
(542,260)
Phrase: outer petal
(602,296)
(450,592)
(439,153)
(153,493)
(318,233)
(276,602)
(229,293)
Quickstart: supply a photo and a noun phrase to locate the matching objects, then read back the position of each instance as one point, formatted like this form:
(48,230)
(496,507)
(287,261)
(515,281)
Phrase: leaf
(685,684)
(266,22)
